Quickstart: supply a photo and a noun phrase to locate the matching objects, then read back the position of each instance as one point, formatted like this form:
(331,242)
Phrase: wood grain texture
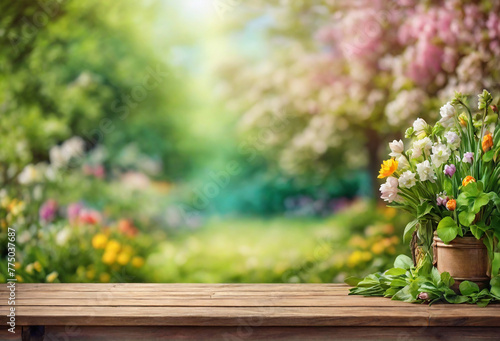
(229,306)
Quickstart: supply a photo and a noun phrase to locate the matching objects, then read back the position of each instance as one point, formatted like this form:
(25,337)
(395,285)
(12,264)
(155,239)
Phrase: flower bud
(494,108)
(467,180)
(487,142)
(451,205)
(424,296)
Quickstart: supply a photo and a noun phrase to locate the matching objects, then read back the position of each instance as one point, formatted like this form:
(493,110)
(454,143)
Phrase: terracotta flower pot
(465,258)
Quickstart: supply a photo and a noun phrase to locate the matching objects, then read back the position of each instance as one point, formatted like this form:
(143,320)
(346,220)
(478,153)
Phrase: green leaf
(466,218)
(395,272)
(423,209)
(403,262)
(483,302)
(447,229)
(398,283)
(482,200)
(472,189)
(448,186)
(446,279)
(352,281)
(467,288)
(410,227)
(488,156)
(476,231)
(436,276)
(454,298)
(495,286)
(404,295)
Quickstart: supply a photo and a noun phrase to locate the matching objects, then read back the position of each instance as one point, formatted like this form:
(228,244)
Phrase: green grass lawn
(281,249)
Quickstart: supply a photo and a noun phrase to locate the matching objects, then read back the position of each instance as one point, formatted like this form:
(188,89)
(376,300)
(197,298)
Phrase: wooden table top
(227,305)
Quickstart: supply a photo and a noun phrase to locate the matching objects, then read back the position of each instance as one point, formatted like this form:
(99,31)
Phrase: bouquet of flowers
(448,178)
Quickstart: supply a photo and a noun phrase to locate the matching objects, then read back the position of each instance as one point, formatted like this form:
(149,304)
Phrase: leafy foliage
(406,283)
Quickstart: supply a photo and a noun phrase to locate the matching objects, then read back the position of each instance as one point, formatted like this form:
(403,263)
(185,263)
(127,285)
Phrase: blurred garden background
(219,140)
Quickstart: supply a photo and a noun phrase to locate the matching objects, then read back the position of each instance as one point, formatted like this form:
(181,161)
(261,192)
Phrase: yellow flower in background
(387,168)
(378,248)
(109,257)
(123,258)
(19,278)
(17,265)
(15,207)
(113,246)
(99,241)
(37,266)
(104,277)
(52,276)
(90,274)
(29,269)
(487,142)
(137,262)
(467,180)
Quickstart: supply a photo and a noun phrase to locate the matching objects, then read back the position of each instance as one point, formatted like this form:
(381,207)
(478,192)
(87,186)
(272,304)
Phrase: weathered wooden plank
(177,287)
(218,316)
(282,301)
(82,333)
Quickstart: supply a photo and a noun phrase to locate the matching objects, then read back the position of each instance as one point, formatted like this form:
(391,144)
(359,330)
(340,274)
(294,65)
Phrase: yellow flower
(90,274)
(29,269)
(387,168)
(37,266)
(104,277)
(354,259)
(137,262)
(17,265)
(113,246)
(378,248)
(19,278)
(487,142)
(99,241)
(123,258)
(52,277)
(109,257)
(467,180)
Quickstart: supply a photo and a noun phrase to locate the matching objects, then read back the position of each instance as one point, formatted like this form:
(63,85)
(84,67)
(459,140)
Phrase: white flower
(390,190)
(447,112)
(419,126)
(453,139)
(74,147)
(29,175)
(425,171)
(440,154)
(61,155)
(421,146)
(407,179)
(56,156)
(402,162)
(468,157)
(397,147)
(62,236)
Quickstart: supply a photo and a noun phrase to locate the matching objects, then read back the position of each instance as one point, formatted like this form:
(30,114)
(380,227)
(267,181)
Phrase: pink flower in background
(48,211)
(73,212)
(99,171)
(89,216)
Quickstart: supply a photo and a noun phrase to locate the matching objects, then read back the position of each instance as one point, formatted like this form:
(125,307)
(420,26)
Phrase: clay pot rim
(466,242)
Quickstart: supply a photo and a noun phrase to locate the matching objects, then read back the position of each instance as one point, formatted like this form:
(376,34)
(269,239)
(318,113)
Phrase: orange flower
(451,205)
(462,121)
(387,168)
(487,142)
(467,180)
